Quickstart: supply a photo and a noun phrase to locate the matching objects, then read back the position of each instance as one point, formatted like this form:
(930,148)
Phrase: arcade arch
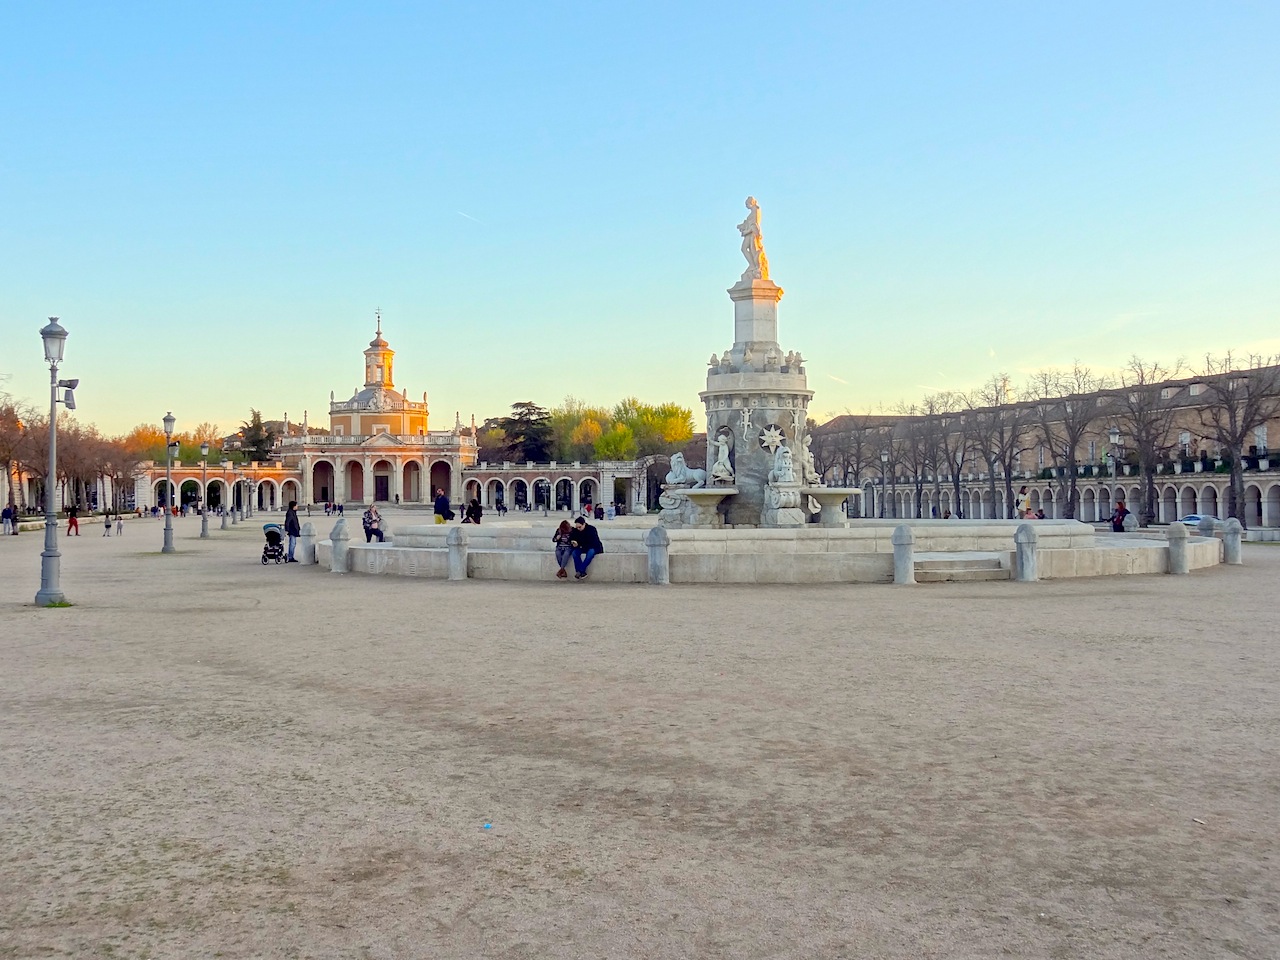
(441,477)
(322,488)
(411,483)
(354,476)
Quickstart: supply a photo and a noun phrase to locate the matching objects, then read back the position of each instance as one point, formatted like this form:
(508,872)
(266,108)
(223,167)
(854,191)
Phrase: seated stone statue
(783,466)
(809,475)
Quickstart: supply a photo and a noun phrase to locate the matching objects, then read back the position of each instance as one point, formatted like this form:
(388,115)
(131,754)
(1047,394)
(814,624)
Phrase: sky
(542,198)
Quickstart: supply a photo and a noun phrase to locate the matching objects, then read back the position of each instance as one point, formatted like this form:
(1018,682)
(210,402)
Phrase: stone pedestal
(783,506)
(755,311)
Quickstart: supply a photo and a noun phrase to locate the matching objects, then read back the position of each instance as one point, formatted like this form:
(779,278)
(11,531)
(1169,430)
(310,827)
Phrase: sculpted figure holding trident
(753,244)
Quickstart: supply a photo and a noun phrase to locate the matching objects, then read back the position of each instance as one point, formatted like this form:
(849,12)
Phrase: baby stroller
(274,549)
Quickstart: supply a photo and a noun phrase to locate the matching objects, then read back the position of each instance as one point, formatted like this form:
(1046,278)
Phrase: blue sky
(542,198)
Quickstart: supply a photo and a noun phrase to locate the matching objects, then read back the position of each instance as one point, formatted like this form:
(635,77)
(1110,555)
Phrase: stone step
(983,563)
(955,575)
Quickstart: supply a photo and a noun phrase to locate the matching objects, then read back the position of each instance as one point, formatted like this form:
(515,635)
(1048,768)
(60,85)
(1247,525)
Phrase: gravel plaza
(206,757)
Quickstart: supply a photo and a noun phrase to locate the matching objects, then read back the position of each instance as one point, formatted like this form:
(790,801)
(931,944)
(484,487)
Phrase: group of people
(579,542)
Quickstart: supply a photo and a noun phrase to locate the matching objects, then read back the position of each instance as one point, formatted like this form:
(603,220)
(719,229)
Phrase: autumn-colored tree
(618,443)
(146,440)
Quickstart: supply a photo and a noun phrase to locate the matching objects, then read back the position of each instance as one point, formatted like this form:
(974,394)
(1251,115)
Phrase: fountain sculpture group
(761,470)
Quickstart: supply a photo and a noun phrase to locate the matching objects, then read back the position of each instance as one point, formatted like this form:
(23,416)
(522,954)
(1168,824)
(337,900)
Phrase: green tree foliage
(528,432)
(491,442)
(256,440)
(663,428)
(618,443)
(581,432)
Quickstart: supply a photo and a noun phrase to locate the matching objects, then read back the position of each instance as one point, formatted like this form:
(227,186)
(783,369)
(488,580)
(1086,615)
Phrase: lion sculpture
(682,473)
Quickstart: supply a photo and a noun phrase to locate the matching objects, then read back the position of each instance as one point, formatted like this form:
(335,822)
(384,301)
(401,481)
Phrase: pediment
(383,440)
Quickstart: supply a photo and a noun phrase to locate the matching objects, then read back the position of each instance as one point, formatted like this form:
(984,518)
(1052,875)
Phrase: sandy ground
(209,758)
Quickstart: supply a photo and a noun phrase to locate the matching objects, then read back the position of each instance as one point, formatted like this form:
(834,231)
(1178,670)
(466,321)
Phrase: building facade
(1165,437)
(379,448)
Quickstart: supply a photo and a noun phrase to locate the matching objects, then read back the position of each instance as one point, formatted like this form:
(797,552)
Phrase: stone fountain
(761,470)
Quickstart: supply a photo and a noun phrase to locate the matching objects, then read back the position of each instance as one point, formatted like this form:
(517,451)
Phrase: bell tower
(377,360)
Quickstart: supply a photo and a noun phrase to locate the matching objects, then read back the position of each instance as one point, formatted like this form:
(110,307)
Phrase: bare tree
(954,443)
(1242,397)
(852,443)
(14,418)
(911,442)
(1066,409)
(1145,418)
(998,427)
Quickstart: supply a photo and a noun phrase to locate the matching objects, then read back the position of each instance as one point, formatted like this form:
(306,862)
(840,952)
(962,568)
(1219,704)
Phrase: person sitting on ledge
(585,541)
(372,522)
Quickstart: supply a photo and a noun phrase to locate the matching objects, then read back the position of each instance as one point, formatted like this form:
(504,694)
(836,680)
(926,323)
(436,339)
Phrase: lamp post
(253,487)
(168,484)
(222,497)
(50,592)
(204,491)
(884,467)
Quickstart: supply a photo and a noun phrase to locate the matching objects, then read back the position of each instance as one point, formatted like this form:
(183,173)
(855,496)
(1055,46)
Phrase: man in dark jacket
(442,509)
(585,542)
(292,529)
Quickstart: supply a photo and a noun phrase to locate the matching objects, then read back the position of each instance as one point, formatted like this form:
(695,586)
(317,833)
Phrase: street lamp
(204,491)
(55,342)
(168,483)
(884,467)
(222,495)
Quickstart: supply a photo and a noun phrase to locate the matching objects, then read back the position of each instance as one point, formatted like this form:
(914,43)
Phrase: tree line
(88,460)
(989,430)
(575,431)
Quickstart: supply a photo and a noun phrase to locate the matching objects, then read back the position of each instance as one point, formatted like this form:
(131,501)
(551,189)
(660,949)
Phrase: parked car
(1194,518)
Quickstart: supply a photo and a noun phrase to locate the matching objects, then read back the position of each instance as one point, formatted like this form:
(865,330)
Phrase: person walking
(372,523)
(292,530)
(564,549)
(73,520)
(443,511)
(106,524)
(586,544)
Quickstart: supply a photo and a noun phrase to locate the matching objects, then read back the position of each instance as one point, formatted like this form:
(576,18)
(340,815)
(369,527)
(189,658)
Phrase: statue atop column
(753,244)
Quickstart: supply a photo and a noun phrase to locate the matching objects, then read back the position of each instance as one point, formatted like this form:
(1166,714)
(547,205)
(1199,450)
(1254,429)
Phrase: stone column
(340,540)
(1025,567)
(306,552)
(456,541)
(904,555)
(304,485)
(1178,548)
(1232,535)
(339,479)
(659,543)
(455,481)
